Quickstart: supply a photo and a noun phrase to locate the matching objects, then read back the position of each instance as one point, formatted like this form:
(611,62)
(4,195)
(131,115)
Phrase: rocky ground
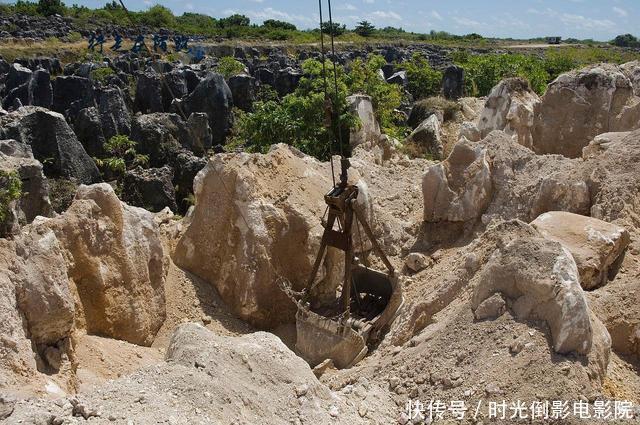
(516,246)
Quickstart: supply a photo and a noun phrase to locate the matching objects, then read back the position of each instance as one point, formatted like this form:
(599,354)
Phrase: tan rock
(116,262)
(459,188)
(510,107)
(427,137)
(595,245)
(257,220)
(540,279)
(369,130)
(582,104)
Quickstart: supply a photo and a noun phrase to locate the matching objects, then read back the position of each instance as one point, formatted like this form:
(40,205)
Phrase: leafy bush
(123,155)
(235,20)
(299,118)
(101,74)
(483,72)
(333,28)
(26,8)
(626,40)
(50,7)
(363,77)
(273,23)
(10,190)
(228,67)
(158,16)
(424,81)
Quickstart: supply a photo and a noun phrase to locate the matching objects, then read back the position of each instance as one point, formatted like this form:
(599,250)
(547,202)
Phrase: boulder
(161,136)
(52,141)
(118,264)
(16,157)
(17,76)
(185,168)
(510,107)
(199,132)
(540,281)
(470,131)
(632,72)
(459,188)
(213,97)
(582,104)
(257,221)
(150,188)
(71,94)
(286,81)
(174,86)
(148,97)
(243,90)
(88,128)
(596,246)
(369,130)
(42,286)
(427,137)
(40,89)
(400,78)
(115,118)
(453,82)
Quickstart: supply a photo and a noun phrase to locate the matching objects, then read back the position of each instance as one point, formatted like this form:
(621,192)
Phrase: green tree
(50,7)
(158,16)
(273,23)
(235,20)
(334,28)
(626,40)
(364,28)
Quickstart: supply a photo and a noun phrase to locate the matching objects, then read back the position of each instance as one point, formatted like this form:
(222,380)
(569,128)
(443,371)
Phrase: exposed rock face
(595,245)
(582,104)
(212,96)
(118,264)
(52,141)
(427,136)
(243,90)
(510,107)
(88,129)
(39,89)
(42,286)
(540,280)
(161,136)
(369,131)
(72,93)
(150,188)
(114,115)
(148,97)
(453,83)
(16,157)
(256,220)
(459,188)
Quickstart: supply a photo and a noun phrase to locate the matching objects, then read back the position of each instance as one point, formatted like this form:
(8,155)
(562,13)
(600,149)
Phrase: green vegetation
(626,40)
(424,81)
(228,67)
(101,74)
(364,29)
(299,118)
(10,190)
(123,156)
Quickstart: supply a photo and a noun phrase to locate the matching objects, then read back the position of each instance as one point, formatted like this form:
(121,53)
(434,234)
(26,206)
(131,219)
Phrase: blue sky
(597,19)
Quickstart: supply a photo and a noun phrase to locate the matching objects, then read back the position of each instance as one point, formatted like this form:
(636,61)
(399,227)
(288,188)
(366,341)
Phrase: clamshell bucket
(376,299)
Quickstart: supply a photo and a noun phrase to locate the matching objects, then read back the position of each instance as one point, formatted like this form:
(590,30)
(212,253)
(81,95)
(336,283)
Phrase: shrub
(483,72)
(364,29)
(228,67)
(364,78)
(423,81)
(158,16)
(50,7)
(424,108)
(101,74)
(26,8)
(626,40)
(235,20)
(123,155)
(10,190)
(333,28)
(273,23)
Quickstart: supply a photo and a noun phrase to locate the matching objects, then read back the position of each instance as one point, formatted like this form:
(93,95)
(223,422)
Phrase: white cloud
(271,13)
(583,22)
(346,6)
(620,12)
(368,1)
(436,15)
(468,23)
(381,14)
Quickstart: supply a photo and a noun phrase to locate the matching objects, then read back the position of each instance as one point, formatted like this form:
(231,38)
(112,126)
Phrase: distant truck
(554,40)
